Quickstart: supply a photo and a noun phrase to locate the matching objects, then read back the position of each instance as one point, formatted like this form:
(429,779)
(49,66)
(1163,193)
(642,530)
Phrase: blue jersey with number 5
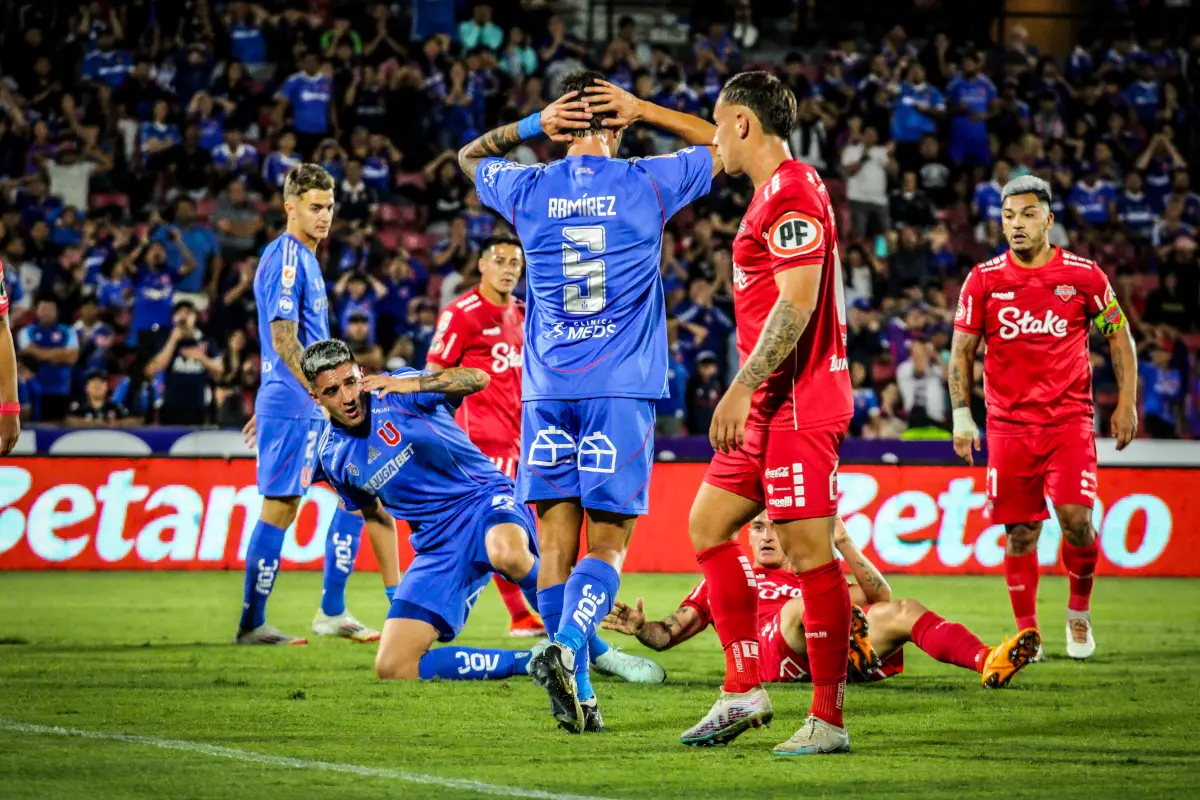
(591,227)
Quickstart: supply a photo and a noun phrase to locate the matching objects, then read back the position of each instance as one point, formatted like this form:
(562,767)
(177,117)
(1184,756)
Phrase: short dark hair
(500,238)
(305,177)
(577,82)
(767,97)
(323,356)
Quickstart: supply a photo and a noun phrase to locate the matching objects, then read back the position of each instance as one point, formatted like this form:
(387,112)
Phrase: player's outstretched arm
(678,627)
(556,120)
(10,422)
(1124,359)
(605,97)
(960,380)
(868,577)
(453,382)
(286,341)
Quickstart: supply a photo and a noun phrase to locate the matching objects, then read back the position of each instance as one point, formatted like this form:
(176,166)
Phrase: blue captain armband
(531,126)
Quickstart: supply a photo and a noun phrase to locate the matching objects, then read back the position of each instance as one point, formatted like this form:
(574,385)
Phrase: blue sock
(549,605)
(388,591)
(262,566)
(583,675)
(588,598)
(341,548)
(528,585)
(597,647)
(472,664)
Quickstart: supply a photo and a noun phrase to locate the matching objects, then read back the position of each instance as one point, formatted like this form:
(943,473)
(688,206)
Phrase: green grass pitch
(146,655)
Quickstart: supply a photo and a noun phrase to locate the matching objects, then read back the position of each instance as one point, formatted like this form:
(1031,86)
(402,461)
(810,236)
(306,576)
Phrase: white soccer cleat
(343,625)
(1038,657)
(629,668)
(730,717)
(1080,644)
(266,634)
(816,737)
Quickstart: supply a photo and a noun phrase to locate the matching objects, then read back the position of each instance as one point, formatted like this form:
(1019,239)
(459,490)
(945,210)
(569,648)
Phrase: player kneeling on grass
(392,450)
(880,626)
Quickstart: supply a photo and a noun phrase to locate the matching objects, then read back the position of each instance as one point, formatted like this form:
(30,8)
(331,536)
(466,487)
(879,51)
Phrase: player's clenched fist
(624,619)
(565,114)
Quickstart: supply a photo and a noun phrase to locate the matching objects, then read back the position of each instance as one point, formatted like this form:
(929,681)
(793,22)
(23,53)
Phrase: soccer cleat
(730,717)
(266,634)
(816,737)
(527,627)
(863,658)
(549,671)
(1038,657)
(629,668)
(343,625)
(1080,644)
(1010,657)
(592,721)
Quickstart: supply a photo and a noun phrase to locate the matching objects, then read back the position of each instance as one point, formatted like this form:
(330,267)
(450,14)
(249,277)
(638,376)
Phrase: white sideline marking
(296,763)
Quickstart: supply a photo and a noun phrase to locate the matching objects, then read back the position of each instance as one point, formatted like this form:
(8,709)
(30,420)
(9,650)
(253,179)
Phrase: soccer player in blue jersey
(292,313)
(595,344)
(392,450)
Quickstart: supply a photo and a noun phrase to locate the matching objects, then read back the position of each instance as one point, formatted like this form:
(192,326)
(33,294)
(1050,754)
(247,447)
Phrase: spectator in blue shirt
(986,202)
(918,108)
(310,95)
(705,388)
(703,326)
(1079,64)
(971,98)
(480,221)
(234,158)
(1092,201)
(280,161)
(674,94)
(208,115)
(158,138)
(1162,389)
(1143,94)
(1181,192)
(195,252)
(106,65)
(1170,228)
(717,57)
(671,411)
(480,30)
(50,349)
(866,402)
(1134,209)
(153,291)
(247,40)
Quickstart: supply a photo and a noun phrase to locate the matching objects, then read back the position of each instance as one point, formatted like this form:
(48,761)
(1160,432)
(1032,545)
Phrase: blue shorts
(599,450)
(287,454)
(442,583)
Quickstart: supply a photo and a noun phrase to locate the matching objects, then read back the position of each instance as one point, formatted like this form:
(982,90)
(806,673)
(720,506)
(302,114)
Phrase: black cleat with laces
(549,672)
(592,721)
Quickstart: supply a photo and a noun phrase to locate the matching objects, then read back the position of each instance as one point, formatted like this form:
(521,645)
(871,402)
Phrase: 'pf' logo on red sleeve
(795,234)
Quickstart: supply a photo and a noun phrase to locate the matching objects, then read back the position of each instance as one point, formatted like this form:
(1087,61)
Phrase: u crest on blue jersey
(597,453)
(551,446)
(387,431)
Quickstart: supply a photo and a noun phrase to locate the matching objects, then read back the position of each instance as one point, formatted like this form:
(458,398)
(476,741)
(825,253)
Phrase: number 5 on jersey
(589,298)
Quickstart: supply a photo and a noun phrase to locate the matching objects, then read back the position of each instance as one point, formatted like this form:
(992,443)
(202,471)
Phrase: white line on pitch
(295,763)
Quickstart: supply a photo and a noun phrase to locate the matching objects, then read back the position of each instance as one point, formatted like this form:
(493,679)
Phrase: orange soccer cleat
(1009,657)
(863,659)
(527,627)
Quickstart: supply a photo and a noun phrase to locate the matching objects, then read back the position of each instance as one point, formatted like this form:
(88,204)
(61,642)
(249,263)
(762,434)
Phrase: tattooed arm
(685,623)
(558,119)
(287,344)
(870,580)
(798,291)
(453,382)
(961,380)
(1124,359)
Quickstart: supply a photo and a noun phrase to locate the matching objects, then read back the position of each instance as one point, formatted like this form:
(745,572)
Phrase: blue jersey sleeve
(352,498)
(679,177)
(498,183)
(279,283)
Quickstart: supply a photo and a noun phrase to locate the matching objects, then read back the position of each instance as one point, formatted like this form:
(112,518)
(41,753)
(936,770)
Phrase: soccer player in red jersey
(779,425)
(10,407)
(882,626)
(1033,308)
(484,329)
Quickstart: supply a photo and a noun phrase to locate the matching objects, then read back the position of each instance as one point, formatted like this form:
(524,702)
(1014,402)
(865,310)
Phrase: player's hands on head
(567,113)
(383,385)
(10,431)
(727,432)
(250,432)
(603,96)
(624,619)
(1124,425)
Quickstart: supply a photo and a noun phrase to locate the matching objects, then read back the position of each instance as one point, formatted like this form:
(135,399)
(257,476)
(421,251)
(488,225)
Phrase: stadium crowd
(143,146)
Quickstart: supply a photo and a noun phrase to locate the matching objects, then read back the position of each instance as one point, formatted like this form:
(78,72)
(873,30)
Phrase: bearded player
(882,626)
(484,329)
(10,407)
(1033,308)
(777,429)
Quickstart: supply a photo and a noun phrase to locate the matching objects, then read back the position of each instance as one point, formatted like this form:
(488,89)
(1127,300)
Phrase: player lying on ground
(484,329)
(392,450)
(880,630)
(1033,307)
(293,312)
(595,354)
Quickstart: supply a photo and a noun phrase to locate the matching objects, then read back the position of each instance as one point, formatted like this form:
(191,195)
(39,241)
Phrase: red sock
(949,642)
(1021,573)
(1081,568)
(514,601)
(733,600)
(827,635)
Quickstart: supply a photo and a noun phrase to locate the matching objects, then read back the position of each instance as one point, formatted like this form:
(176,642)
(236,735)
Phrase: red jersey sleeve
(968,317)
(3,292)
(795,220)
(698,600)
(451,338)
(1102,305)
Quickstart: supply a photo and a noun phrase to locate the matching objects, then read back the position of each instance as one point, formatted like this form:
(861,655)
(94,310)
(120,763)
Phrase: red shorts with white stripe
(505,458)
(792,473)
(779,663)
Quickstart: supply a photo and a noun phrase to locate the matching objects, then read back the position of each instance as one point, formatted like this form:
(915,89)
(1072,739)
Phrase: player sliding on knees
(595,358)
(881,627)
(392,450)
(1033,307)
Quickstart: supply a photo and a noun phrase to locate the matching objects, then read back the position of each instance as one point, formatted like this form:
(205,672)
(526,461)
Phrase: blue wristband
(531,126)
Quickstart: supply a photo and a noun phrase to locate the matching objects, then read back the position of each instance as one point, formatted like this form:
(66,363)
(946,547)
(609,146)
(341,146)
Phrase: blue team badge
(551,446)
(286,305)
(353,470)
(597,453)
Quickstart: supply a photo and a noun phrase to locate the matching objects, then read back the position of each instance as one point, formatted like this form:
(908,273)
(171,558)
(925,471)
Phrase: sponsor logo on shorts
(551,446)
(777,472)
(597,453)
(837,364)
(1003,295)
(780,502)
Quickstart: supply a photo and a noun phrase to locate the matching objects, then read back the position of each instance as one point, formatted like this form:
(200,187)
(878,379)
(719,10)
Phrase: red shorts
(792,473)
(1028,462)
(504,457)
(779,663)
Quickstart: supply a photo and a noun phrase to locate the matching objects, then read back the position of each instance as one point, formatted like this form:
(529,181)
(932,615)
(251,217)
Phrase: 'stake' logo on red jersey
(795,234)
